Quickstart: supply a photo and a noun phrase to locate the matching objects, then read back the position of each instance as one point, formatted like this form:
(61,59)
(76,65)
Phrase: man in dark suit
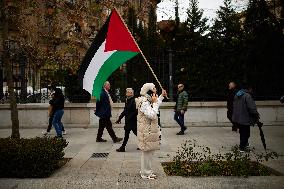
(130,114)
(103,111)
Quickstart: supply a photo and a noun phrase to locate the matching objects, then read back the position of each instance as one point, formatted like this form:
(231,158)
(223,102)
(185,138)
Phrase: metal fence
(171,67)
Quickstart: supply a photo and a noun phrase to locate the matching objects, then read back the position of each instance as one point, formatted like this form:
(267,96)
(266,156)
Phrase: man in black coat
(230,100)
(130,114)
(103,111)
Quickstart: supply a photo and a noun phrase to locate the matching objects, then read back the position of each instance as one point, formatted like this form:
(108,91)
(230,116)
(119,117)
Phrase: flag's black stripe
(99,39)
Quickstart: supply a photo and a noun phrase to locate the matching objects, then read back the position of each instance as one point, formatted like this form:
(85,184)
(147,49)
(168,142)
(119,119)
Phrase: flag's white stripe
(96,63)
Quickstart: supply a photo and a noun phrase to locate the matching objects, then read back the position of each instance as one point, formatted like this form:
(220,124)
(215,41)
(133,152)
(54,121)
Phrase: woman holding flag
(148,131)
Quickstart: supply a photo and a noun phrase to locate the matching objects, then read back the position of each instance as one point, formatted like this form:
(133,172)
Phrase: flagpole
(152,71)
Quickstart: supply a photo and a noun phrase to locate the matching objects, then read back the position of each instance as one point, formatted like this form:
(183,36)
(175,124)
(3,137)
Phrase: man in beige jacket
(148,131)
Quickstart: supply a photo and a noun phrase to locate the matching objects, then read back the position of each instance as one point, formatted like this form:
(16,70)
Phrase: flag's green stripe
(110,65)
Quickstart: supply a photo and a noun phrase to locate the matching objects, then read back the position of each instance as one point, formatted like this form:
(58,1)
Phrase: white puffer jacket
(148,131)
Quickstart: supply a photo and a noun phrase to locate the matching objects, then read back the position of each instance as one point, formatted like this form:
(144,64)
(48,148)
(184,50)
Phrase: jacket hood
(241,92)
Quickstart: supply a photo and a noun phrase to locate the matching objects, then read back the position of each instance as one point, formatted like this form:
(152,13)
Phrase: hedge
(33,157)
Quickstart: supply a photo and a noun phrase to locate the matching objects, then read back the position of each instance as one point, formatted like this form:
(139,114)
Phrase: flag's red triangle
(118,37)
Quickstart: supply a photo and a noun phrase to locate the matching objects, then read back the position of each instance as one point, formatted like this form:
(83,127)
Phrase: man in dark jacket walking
(181,108)
(103,111)
(130,114)
(244,114)
(230,101)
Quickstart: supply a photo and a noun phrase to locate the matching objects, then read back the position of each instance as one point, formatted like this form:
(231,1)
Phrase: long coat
(103,108)
(130,114)
(148,131)
(230,103)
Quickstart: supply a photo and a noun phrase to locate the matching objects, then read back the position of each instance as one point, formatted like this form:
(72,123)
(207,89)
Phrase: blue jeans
(179,119)
(56,122)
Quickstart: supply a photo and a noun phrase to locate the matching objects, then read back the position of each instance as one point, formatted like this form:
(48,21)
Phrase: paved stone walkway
(121,170)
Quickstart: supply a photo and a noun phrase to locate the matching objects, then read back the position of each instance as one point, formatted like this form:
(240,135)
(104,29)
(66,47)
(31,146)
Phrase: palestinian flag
(112,47)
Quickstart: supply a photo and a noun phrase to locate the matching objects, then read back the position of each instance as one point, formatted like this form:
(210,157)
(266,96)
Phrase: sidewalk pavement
(121,170)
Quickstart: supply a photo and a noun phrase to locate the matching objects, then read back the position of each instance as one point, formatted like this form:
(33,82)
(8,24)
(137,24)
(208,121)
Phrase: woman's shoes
(150,177)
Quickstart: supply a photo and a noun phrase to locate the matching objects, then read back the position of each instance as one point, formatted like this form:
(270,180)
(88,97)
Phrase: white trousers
(146,159)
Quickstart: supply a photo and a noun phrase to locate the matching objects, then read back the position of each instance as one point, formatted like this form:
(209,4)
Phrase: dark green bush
(33,157)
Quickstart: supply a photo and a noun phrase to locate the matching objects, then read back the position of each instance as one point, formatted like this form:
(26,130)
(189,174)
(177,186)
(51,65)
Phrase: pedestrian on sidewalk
(230,103)
(58,108)
(103,111)
(245,114)
(50,119)
(282,99)
(148,131)
(180,108)
(130,114)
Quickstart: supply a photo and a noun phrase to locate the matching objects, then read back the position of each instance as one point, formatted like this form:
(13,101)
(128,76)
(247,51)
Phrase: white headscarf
(146,87)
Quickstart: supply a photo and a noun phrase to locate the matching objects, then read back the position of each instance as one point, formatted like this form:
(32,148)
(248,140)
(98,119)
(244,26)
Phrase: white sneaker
(44,132)
(64,132)
(150,177)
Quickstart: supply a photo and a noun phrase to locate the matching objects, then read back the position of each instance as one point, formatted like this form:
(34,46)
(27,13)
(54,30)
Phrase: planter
(218,168)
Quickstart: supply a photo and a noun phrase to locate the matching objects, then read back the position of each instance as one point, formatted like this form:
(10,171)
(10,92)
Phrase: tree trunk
(23,62)
(9,74)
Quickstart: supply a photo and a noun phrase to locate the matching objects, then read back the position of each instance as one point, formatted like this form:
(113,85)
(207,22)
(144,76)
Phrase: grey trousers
(146,160)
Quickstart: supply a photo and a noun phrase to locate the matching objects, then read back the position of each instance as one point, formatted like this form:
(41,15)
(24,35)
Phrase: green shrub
(194,160)
(34,157)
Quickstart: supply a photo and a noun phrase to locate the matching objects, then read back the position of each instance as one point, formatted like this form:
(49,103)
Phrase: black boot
(100,140)
(121,149)
(180,133)
(117,140)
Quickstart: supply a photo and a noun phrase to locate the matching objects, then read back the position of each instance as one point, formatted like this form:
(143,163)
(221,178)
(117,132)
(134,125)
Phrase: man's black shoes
(180,133)
(100,140)
(259,124)
(117,140)
(103,140)
(121,149)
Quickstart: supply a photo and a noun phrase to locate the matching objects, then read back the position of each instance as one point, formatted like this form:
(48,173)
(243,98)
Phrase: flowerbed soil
(218,168)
